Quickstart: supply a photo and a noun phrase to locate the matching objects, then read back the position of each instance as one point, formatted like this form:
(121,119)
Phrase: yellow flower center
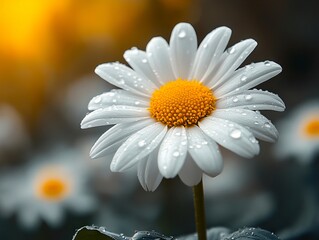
(53,188)
(181,103)
(312,128)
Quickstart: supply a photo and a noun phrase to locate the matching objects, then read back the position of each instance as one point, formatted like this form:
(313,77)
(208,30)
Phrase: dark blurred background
(48,52)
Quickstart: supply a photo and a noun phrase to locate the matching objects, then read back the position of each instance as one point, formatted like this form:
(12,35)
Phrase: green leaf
(97,233)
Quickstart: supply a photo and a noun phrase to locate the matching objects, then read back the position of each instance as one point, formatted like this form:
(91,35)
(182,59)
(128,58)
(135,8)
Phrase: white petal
(159,56)
(232,58)
(172,152)
(138,146)
(113,115)
(254,100)
(204,151)
(52,214)
(125,78)
(139,62)
(111,140)
(183,46)
(231,136)
(209,52)
(148,172)
(117,97)
(190,173)
(259,125)
(28,216)
(247,77)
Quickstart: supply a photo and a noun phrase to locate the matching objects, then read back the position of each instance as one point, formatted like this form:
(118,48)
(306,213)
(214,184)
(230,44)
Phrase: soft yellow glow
(181,102)
(25,25)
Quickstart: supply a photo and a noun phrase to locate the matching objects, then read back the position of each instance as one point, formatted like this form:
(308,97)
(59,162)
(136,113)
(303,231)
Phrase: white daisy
(43,189)
(178,102)
(300,133)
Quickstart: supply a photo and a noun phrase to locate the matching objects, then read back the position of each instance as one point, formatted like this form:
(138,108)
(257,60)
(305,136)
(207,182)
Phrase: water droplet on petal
(267,63)
(136,102)
(236,134)
(248,97)
(141,143)
(176,154)
(267,125)
(182,34)
(205,45)
(235,100)
(134,50)
(231,50)
(144,60)
(243,78)
(97,99)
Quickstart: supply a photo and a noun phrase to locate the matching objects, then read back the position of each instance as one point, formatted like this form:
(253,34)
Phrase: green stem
(200,220)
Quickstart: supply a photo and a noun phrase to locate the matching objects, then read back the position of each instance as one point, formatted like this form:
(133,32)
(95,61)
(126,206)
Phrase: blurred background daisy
(48,53)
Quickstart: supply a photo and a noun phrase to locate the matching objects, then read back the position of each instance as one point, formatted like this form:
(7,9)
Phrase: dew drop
(144,60)
(235,100)
(97,99)
(122,81)
(267,63)
(182,34)
(205,45)
(231,50)
(243,78)
(267,125)
(198,146)
(141,143)
(248,97)
(134,50)
(176,154)
(136,102)
(204,142)
(114,100)
(183,143)
(236,134)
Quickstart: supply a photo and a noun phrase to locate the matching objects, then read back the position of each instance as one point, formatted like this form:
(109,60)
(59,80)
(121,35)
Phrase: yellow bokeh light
(25,25)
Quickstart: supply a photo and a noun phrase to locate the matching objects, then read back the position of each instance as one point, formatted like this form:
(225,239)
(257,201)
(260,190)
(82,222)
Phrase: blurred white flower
(236,197)
(13,135)
(237,175)
(44,188)
(75,97)
(178,103)
(300,133)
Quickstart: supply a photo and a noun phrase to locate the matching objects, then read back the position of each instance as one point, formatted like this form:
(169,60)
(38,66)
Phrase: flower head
(178,101)
(300,133)
(43,189)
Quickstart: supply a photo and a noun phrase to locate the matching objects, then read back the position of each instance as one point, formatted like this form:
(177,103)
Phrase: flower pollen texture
(181,103)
